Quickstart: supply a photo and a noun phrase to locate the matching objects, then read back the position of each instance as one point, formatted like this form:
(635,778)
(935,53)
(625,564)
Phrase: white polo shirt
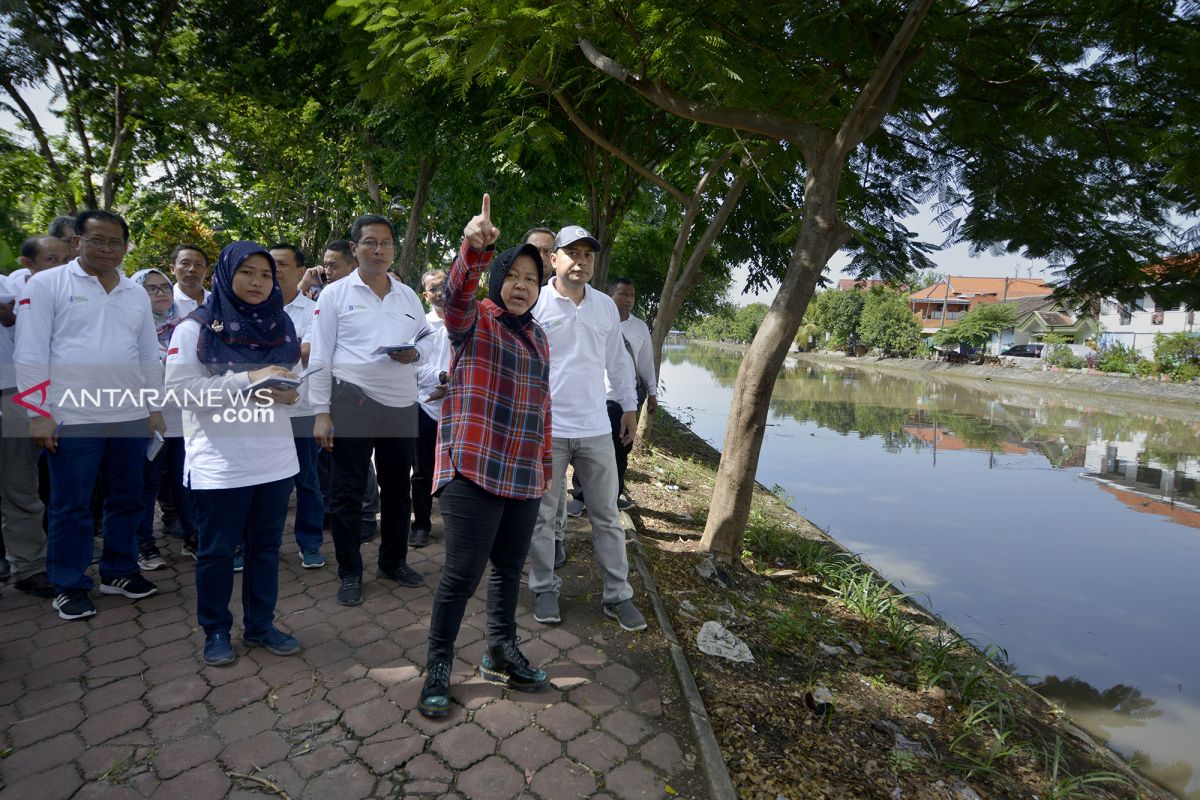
(349,324)
(637,334)
(585,345)
(97,349)
(8,376)
(301,311)
(435,359)
(185,305)
(221,451)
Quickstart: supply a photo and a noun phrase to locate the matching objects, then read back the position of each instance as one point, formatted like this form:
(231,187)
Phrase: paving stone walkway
(121,705)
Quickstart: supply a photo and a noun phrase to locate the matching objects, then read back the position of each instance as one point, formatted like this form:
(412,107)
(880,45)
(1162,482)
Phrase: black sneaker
(135,587)
(403,575)
(368,530)
(435,694)
(507,666)
(74,605)
(350,592)
(418,538)
(190,548)
(149,559)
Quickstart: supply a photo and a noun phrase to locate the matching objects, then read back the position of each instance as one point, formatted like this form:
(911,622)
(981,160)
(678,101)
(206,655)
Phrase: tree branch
(883,83)
(56,170)
(774,126)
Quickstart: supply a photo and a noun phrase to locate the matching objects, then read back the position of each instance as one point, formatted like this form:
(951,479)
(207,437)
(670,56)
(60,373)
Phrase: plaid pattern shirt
(495,424)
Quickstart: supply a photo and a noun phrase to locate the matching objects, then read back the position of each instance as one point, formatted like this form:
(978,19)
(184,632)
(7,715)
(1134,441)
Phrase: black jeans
(623,451)
(422,476)
(357,414)
(480,527)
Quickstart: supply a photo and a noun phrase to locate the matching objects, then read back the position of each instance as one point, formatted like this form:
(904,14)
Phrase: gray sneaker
(625,502)
(545,608)
(575,507)
(626,613)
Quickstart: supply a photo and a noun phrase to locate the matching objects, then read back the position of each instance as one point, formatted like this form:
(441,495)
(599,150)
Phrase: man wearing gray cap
(584,330)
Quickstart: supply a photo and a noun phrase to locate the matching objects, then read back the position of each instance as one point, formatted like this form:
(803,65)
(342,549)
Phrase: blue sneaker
(218,650)
(239,561)
(275,640)
(312,559)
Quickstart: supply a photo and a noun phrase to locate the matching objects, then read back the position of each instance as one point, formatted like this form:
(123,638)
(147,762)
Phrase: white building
(1136,323)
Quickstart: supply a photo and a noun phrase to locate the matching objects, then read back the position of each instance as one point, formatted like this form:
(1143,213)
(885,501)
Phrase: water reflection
(1061,528)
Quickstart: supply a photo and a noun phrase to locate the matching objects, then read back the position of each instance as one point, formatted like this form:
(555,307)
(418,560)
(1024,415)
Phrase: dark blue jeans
(168,464)
(310,507)
(117,450)
(251,516)
(480,527)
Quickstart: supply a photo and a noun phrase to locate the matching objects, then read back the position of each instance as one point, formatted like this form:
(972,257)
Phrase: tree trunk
(409,265)
(373,190)
(821,235)
(44,149)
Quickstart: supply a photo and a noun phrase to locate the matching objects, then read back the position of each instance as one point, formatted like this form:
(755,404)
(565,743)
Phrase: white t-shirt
(435,359)
(301,311)
(8,376)
(97,349)
(349,324)
(585,344)
(230,442)
(638,335)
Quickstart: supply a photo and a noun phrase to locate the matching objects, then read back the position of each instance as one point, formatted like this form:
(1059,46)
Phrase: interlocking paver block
(463,745)
(619,677)
(184,754)
(114,722)
(35,703)
(598,750)
(633,780)
(206,782)
(318,760)
(355,693)
(166,653)
(244,723)
(646,699)
(50,722)
(60,672)
(316,713)
(346,782)
(371,716)
(564,640)
(627,726)
(493,779)
(587,656)
(176,693)
(426,767)
(40,757)
(563,779)
(502,718)
(362,635)
(59,783)
(530,749)
(251,754)
(595,698)
(237,694)
(663,752)
(564,721)
(383,757)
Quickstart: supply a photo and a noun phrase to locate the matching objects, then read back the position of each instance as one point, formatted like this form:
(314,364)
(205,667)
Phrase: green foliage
(1060,355)
(978,325)
(888,325)
(730,323)
(1119,357)
(838,313)
(1178,355)
(157,237)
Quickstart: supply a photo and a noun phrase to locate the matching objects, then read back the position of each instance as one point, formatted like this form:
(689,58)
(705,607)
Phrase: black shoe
(435,694)
(135,587)
(74,604)
(560,555)
(507,666)
(368,530)
(350,592)
(37,584)
(419,537)
(403,575)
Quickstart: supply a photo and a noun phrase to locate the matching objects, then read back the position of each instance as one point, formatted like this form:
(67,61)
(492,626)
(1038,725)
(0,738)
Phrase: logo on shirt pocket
(356,307)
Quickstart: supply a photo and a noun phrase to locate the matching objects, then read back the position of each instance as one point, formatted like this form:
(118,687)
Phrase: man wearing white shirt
(189,265)
(641,353)
(310,508)
(584,331)
(21,507)
(366,401)
(432,382)
(85,330)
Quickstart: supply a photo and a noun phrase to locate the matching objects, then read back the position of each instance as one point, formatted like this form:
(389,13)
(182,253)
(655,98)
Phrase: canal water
(1063,528)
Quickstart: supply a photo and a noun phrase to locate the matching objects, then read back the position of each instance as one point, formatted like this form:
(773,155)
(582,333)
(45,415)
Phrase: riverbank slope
(853,691)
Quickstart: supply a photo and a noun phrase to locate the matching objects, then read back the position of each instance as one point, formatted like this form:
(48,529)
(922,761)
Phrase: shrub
(888,325)
(1061,356)
(1174,350)
(1119,357)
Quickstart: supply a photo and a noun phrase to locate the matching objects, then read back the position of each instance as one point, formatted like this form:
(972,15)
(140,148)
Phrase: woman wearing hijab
(240,457)
(170,456)
(493,456)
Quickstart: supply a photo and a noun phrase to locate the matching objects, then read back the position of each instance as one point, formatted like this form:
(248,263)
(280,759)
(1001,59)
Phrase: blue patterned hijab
(235,334)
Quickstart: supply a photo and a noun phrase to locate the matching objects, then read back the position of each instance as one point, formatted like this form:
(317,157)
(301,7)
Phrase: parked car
(1025,351)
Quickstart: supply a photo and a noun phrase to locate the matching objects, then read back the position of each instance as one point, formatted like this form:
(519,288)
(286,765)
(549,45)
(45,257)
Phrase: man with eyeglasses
(584,330)
(85,330)
(364,335)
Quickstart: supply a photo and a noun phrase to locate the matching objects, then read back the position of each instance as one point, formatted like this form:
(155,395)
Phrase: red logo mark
(19,398)
(24,302)
(173,351)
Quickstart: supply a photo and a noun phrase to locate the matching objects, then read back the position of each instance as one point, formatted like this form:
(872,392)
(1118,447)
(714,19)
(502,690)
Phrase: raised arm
(479,239)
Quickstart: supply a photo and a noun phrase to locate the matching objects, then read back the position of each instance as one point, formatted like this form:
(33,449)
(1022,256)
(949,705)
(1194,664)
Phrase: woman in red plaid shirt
(493,458)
